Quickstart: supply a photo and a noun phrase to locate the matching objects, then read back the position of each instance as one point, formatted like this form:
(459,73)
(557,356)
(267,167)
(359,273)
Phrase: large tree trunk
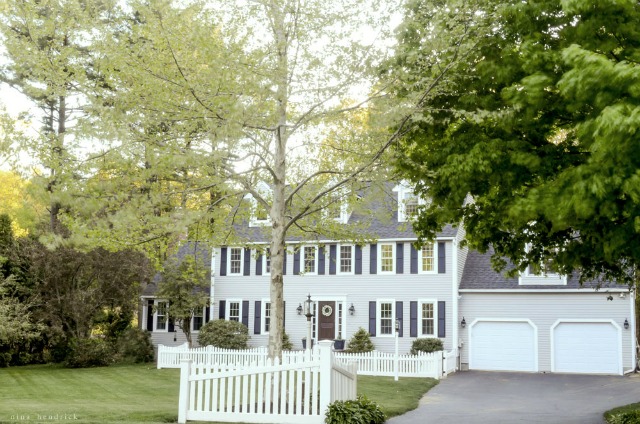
(278,207)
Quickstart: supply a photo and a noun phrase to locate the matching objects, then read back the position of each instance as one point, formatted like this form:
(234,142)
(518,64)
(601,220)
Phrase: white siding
(356,289)
(545,309)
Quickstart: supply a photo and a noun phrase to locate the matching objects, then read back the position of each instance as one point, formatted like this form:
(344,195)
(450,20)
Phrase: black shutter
(413,319)
(221,311)
(207,314)
(171,326)
(399,258)
(259,263)
(358,270)
(256,317)
(296,261)
(372,318)
(247,262)
(442,267)
(399,313)
(284,262)
(332,259)
(223,261)
(441,319)
(321,260)
(245,313)
(414,259)
(150,315)
(373,259)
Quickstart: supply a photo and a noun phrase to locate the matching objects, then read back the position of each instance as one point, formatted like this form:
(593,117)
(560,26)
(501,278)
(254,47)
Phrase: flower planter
(338,344)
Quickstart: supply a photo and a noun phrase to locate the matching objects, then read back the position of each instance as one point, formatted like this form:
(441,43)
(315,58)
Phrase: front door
(327,320)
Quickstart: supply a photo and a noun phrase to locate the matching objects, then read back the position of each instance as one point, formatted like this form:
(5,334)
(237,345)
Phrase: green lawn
(139,394)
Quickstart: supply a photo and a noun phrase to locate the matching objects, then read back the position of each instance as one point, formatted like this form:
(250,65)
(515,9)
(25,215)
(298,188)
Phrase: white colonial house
(536,323)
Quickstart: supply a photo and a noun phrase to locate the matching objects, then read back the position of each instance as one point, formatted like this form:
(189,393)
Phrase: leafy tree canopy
(539,125)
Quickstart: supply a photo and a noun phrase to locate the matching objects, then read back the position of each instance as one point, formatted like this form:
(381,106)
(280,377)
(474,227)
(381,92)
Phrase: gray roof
(201,250)
(380,223)
(479,275)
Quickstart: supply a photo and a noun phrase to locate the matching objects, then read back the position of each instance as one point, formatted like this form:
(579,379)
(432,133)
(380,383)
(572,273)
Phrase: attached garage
(593,347)
(503,345)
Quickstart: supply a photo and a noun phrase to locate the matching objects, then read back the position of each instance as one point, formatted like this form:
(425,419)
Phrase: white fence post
(326,374)
(183,401)
(160,356)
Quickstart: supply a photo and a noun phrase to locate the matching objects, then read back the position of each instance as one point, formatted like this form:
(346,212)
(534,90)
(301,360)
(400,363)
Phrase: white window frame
(234,274)
(379,304)
(303,262)
(435,247)
(434,303)
(266,304)
(393,258)
(265,191)
(204,320)
(339,259)
(227,312)
(543,279)
(266,259)
(404,191)
(156,316)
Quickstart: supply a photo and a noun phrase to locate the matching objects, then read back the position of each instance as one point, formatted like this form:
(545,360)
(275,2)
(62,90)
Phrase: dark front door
(326,320)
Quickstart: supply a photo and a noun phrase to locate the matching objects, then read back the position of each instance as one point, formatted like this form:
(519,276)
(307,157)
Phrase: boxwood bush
(224,334)
(426,345)
(359,411)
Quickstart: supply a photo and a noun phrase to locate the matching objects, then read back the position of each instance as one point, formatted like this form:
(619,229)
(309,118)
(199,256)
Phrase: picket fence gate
(294,391)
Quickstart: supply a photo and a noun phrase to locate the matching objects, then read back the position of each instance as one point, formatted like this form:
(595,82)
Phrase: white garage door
(502,346)
(586,347)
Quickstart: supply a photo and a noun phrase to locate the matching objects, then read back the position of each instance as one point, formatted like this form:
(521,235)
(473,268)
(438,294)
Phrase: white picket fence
(287,393)
(434,365)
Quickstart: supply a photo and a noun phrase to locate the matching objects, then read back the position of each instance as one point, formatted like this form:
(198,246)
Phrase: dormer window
(541,274)
(259,211)
(337,208)
(408,202)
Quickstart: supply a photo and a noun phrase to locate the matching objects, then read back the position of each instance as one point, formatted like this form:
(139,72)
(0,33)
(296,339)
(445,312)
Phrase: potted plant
(338,344)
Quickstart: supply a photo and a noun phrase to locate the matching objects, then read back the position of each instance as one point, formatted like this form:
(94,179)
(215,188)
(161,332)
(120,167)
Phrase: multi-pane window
(309,255)
(234,311)
(197,320)
(386,257)
(346,259)
(161,316)
(427,258)
(267,317)
(235,261)
(386,318)
(427,319)
(410,204)
(267,261)
(262,214)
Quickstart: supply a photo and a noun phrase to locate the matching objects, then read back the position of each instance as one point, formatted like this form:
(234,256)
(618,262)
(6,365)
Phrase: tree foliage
(539,126)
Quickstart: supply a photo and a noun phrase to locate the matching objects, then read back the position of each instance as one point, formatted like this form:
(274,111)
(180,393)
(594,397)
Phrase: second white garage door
(503,346)
(586,347)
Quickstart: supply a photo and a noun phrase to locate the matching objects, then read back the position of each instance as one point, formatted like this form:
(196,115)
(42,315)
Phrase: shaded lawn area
(140,394)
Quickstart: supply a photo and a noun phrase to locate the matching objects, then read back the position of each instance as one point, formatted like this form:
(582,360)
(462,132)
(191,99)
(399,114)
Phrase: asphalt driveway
(477,397)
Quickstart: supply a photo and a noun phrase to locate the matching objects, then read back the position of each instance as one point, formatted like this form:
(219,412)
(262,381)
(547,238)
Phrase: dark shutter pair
(333,259)
(257,316)
(245,311)
(373,309)
(320,259)
(223,261)
(442,265)
(413,319)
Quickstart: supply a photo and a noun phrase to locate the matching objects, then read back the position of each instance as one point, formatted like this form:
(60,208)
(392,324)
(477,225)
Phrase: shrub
(359,411)
(134,345)
(426,345)
(360,341)
(86,353)
(224,334)
(628,417)
(286,342)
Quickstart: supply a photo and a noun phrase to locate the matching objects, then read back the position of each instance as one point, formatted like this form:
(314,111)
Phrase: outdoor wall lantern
(463,323)
(352,309)
(626,324)
(299,309)
(175,335)
(609,297)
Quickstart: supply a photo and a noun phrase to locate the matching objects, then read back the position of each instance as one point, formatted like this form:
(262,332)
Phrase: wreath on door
(327,310)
